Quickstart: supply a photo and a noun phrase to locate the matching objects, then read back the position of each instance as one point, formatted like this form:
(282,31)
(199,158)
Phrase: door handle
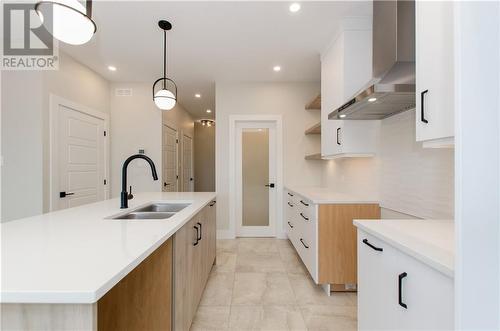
(400,289)
(201,227)
(64,194)
(197,235)
(271,185)
(422,111)
(166,184)
(366,242)
(212,203)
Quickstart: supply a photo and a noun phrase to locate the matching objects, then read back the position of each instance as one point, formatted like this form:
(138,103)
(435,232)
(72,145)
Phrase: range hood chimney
(392,88)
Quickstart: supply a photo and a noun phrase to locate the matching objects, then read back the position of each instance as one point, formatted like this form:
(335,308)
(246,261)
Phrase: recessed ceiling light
(197,95)
(342,116)
(277,68)
(372,99)
(209,111)
(111,68)
(294,7)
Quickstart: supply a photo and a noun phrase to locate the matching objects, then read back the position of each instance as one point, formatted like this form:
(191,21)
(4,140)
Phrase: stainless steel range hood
(392,88)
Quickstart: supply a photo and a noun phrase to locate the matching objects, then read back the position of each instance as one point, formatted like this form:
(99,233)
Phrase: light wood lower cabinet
(325,237)
(194,255)
(141,300)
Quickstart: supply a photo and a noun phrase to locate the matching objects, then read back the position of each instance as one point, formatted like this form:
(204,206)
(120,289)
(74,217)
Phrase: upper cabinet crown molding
(434,73)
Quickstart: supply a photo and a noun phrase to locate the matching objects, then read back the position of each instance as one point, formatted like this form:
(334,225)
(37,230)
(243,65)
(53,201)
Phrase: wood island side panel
(337,241)
(143,299)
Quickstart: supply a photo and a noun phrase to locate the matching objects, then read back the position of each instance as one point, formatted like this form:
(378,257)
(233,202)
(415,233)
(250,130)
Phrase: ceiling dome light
(111,68)
(372,99)
(294,7)
(197,95)
(209,110)
(165,97)
(67,20)
(277,68)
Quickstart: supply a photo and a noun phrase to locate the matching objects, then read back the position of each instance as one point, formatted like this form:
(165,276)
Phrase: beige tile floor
(261,284)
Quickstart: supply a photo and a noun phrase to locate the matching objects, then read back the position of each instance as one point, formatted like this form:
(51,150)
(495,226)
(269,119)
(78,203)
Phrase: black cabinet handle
(400,290)
(338,133)
(302,241)
(306,218)
(290,225)
(201,227)
(197,234)
(271,185)
(290,194)
(212,203)
(366,242)
(165,184)
(290,204)
(64,194)
(422,111)
(305,204)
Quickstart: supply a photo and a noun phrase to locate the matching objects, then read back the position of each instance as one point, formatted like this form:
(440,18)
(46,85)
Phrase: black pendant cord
(164,58)
(88,5)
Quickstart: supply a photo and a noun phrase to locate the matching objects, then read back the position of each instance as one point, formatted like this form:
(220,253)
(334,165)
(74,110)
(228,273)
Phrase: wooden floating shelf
(315,129)
(316,156)
(315,104)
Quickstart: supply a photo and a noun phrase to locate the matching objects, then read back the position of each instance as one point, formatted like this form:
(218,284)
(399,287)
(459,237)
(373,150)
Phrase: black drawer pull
(338,133)
(290,194)
(366,242)
(290,204)
(302,241)
(290,225)
(197,235)
(306,218)
(304,203)
(201,227)
(212,203)
(400,290)
(422,111)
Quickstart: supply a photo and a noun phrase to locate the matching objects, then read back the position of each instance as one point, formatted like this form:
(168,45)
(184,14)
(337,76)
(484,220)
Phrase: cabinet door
(434,70)
(428,295)
(377,288)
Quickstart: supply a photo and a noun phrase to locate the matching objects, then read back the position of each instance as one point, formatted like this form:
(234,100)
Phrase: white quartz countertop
(76,255)
(429,241)
(321,195)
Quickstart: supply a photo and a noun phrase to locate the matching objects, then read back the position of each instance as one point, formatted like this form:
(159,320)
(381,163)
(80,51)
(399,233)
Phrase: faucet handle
(130,196)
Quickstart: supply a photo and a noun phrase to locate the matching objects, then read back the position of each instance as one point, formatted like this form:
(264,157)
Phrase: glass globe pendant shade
(69,21)
(164,99)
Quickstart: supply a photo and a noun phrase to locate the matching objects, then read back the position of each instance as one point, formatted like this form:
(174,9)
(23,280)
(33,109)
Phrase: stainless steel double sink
(153,211)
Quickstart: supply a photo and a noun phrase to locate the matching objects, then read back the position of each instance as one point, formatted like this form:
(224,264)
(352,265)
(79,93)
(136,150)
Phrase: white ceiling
(212,41)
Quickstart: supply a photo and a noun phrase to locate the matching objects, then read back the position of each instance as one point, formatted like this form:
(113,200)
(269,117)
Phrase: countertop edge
(438,266)
(354,200)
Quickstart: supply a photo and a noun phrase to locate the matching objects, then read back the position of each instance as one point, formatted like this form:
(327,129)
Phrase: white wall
(136,123)
(286,99)
(406,178)
(25,129)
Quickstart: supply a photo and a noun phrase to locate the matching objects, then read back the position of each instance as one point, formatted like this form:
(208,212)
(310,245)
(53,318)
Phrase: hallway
(261,284)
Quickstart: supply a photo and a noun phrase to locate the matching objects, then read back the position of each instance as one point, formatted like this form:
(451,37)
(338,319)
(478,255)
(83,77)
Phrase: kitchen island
(57,267)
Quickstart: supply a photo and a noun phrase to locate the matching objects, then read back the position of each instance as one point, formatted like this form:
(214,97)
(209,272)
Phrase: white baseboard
(225,234)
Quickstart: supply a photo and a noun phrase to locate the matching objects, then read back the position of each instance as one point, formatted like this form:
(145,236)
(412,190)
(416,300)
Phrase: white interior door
(256,175)
(170,162)
(80,157)
(187,164)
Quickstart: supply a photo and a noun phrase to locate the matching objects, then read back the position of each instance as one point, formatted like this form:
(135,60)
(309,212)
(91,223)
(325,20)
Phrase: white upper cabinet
(346,68)
(434,73)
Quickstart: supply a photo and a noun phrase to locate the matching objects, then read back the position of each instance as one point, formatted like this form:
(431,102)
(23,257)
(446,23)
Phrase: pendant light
(71,22)
(165,97)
